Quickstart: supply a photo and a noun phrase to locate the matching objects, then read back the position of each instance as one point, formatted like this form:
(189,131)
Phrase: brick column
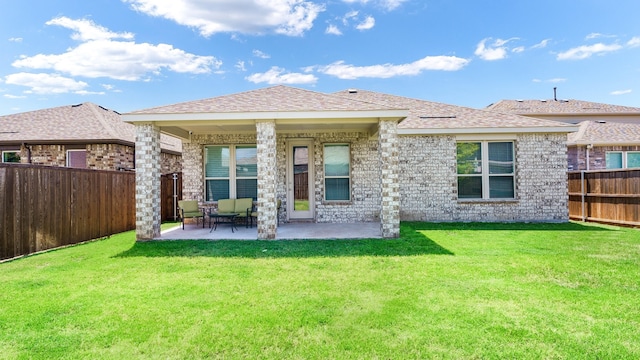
(147,182)
(267,171)
(390,181)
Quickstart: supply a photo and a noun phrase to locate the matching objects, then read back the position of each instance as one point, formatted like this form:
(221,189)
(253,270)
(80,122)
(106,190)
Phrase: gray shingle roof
(272,99)
(595,132)
(565,107)
(86,122)
(432,115)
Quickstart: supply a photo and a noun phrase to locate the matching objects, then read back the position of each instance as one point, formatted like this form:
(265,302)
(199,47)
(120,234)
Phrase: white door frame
(292,213)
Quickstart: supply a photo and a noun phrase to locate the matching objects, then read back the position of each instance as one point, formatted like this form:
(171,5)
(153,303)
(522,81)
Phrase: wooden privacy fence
(44,207)
(608,196)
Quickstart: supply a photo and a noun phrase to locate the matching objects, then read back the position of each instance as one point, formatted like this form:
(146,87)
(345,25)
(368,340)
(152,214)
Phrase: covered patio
(260,143)
(286,231)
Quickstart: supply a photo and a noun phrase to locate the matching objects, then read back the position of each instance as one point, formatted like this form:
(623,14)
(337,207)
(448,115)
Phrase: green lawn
(517,291)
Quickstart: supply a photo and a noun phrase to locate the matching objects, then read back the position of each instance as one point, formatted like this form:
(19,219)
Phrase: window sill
(336,202)
(488,201)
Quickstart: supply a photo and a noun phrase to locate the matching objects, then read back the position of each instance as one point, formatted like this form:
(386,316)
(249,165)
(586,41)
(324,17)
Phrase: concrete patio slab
(285,231)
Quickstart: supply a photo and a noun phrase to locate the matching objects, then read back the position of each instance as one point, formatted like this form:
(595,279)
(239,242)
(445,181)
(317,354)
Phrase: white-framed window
(77,159)
(622,159)
(337,172)
(486,170)
(11,156)
(231,172)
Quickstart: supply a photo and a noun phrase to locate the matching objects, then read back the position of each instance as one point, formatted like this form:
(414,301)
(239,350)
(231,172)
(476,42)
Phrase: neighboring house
(608,138)
(356,156)
(80,136)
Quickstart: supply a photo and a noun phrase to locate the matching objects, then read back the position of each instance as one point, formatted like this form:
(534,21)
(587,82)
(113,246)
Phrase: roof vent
(601,122)
(543,100)
(353,91)
(520,100)
(76,105)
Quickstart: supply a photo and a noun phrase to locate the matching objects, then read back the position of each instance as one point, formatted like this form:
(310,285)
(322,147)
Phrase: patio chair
(189,210)
(243,207)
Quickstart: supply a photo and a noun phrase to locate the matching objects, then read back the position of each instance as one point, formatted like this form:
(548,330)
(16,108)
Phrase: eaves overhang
(488,130)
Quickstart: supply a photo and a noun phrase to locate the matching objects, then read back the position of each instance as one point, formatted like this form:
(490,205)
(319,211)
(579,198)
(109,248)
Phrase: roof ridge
(106,124)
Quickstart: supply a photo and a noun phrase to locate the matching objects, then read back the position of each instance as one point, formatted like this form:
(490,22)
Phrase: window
(337,172)
(12,156)
(231,172)
(614,159)
(622,159)
(77,159)
(485,170)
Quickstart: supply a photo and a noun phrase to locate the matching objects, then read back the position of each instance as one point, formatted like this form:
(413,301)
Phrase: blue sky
(134,54)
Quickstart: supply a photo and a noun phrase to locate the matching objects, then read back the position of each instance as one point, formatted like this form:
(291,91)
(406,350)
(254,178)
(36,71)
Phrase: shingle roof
(272,99)
(597,132)
(432,115)
(564,107)
(82,122)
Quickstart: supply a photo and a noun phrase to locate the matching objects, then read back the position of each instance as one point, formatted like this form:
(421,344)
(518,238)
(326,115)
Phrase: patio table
(222,218)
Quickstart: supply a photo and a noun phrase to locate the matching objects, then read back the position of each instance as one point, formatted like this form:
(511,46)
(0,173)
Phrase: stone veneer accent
(389,177)
(429,184)
(147,182)
(267,175)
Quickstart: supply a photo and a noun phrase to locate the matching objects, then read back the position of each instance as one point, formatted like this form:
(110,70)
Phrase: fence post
(582,197)
(175,195)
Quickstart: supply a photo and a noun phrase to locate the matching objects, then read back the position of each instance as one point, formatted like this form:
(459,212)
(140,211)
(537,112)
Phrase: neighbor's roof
(438,117)
(86,122)
(278,98)
(606,133)
(560,107)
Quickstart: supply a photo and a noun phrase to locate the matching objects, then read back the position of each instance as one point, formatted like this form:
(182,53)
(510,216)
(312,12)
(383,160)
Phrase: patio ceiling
(185,124)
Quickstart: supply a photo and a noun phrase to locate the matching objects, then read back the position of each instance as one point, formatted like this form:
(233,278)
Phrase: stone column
(390,180)
(267,171)
(147,182)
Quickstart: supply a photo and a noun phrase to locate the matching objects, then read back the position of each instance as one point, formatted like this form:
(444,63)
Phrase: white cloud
(621,92)
(586,51)
(100,56)
(332,30)
(240,66)
(386,4)
(288,17)
(495,51)
(367,24)
(15,39)
(85,92)
(518,49)
(45,83)
(542,44)
(277,76)
(597,36)
(553,80)
(260,54)
(9,96)
(634,42)
(345,71)
(86,30)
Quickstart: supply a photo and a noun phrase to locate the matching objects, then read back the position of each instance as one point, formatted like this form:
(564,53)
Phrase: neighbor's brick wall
(110,157)
(597,156)
(429,191)
(52,155)
(170,163)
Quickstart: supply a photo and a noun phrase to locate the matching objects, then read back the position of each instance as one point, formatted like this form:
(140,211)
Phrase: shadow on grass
(476,226)
(410,243)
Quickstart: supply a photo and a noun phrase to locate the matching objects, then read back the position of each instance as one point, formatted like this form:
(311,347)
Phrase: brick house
(81,136)
(608,137)
(356,156)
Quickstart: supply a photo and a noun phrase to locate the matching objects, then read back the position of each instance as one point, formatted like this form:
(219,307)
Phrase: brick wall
(429,184)
(99,157)
(427,178)
(597,156)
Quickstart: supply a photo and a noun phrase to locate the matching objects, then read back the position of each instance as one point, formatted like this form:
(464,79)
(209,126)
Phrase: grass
(553,291)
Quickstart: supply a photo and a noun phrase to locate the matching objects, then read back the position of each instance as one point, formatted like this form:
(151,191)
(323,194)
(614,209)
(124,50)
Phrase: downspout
(175,196)
(28,148)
